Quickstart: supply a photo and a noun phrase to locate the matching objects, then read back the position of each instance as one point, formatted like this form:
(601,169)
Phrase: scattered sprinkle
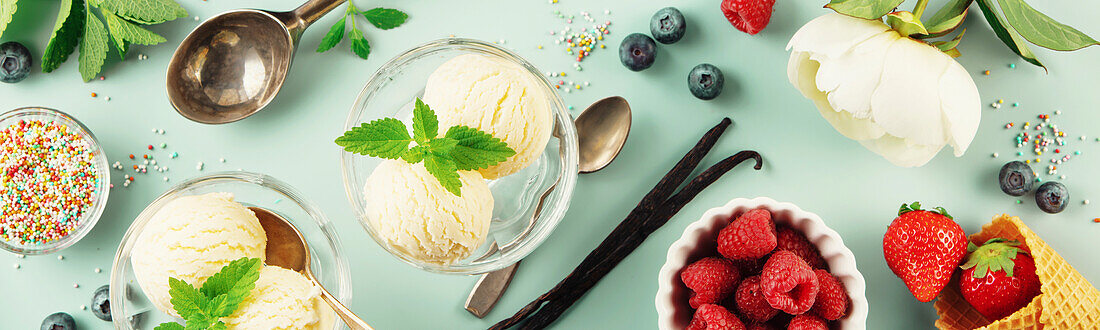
(97,270)
(76,286)
(1086,202)
(986,72)
(1012,65)
(83,307)
(1019,201)
(199,166)
(16,266)
(995,155)
(60,257)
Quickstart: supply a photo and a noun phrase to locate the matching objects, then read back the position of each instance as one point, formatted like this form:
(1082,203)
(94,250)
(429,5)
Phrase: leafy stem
(918,10)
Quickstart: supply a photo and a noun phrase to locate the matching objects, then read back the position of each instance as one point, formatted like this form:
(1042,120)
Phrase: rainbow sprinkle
(48,181)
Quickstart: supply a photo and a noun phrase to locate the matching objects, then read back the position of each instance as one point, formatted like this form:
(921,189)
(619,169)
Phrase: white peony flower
(901,98)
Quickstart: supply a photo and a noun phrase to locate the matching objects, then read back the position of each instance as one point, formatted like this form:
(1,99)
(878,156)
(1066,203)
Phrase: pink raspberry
(714,317)
(751,236)
(832,299)
(710,279)
(787,238)
(751,303)
(807,322)
(789,283)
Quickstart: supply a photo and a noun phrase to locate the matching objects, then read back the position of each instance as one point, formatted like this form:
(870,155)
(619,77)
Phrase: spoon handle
(353,321)
(312,10)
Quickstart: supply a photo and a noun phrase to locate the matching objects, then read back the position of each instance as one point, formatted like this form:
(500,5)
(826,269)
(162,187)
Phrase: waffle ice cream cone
(1067,301)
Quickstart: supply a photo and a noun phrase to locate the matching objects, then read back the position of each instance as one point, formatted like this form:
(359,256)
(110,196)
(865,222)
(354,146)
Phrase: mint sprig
(220,295)
(382,18)
(461,148)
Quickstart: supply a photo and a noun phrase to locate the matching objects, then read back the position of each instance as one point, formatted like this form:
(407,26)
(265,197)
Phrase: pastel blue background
(807,162)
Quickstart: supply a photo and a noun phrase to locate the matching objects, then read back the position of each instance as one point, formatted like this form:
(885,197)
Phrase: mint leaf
(93,47)
(442,146)
(415,155)
(359,44)
(385,18)
(1041,30)
(186,300)
(130,32)
(425,123)
(66,33)
(1008,36)
(384,138)
(334,36)
(217,326)
(144,11)
(7,10)
(866,9)
(476,149)
(170,326)
(229,286)
(199,322)
(445,172)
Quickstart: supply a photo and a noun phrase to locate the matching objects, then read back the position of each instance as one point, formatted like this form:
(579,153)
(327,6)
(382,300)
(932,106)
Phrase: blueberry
(59,321)
(637,51)
(667,25)
(1016,178)
(15,62)
(705,81)
(1052,197)
(101,303)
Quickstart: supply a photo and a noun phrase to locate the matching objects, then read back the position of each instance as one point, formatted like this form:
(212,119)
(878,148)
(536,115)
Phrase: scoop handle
(300,18)
(353,321)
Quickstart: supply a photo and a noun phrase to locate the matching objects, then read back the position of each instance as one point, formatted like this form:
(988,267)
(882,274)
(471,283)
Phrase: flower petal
(900,152)
(962,107)
(832,34)
(801,71)
(907,101)
(850,79)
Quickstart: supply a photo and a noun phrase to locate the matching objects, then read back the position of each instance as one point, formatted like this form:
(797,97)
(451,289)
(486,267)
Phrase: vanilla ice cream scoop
(282,299)
(191,238)
(414,214)
(498,97)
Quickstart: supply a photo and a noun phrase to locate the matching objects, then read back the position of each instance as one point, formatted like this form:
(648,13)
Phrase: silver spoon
(233,64)
(288,249)
(602,130)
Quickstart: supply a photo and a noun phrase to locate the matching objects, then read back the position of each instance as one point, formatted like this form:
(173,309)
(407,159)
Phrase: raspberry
(751,302)
(792,240)
(760,326)
(749,16)
(807,322)
(832,299)
(788,282)
(710,279)
(714,317)
(751,236)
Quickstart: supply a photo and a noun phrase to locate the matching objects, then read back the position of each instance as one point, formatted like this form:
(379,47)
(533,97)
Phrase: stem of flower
(919,9)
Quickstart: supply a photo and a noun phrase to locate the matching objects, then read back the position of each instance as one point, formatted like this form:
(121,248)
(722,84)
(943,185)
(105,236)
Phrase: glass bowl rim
(91,216)
(125,247)
(568,152)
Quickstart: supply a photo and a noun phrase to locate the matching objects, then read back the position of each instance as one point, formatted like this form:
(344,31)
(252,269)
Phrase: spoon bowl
(602,130)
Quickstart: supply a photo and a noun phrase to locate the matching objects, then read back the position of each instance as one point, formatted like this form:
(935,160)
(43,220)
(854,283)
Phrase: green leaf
(66,34)
(415,155)
(359,44)
(442,146)
(170,326)
(948,18)
(445,172)
(906,24)
(867,9)
(995,255)
(425,123)
(477,149)
(231,285)
(217,326)
(199,322)
(947,46)
(130,32)
(1042,30)
(385,18)
(144,11)
(1008,36)
(186,300)
(385,138)
(7,10)
(93,47)
(334,36)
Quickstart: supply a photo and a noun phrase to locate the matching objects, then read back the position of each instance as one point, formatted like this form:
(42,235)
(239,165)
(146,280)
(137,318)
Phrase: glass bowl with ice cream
(406,209)
(198,227)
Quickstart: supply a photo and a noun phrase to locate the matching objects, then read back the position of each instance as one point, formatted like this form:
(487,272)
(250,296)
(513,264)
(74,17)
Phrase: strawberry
(923,248)
(998,278)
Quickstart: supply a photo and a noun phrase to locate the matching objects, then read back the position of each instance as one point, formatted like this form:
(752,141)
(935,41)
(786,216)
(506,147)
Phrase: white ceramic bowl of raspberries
(758,276)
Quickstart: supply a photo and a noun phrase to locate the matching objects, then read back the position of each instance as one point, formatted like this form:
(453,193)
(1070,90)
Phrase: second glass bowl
(389,93)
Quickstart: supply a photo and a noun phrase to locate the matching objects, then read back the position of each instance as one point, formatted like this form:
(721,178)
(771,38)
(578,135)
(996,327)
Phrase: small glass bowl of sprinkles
(54,180)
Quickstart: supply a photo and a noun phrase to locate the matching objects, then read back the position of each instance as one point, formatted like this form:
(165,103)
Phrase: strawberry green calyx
(996,254)
(915,206)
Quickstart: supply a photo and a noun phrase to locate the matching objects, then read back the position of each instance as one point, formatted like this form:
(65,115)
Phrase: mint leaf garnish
(442,146)
(383,138)
(476,149)
(93,46)
(170,326)
(219,297)
(334,36)
(7,10)
(359,44)
(186,299)
(144,11)
(444,170)
(124,32)
(425,123)
(415,154)
(385,18)
(66,33)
